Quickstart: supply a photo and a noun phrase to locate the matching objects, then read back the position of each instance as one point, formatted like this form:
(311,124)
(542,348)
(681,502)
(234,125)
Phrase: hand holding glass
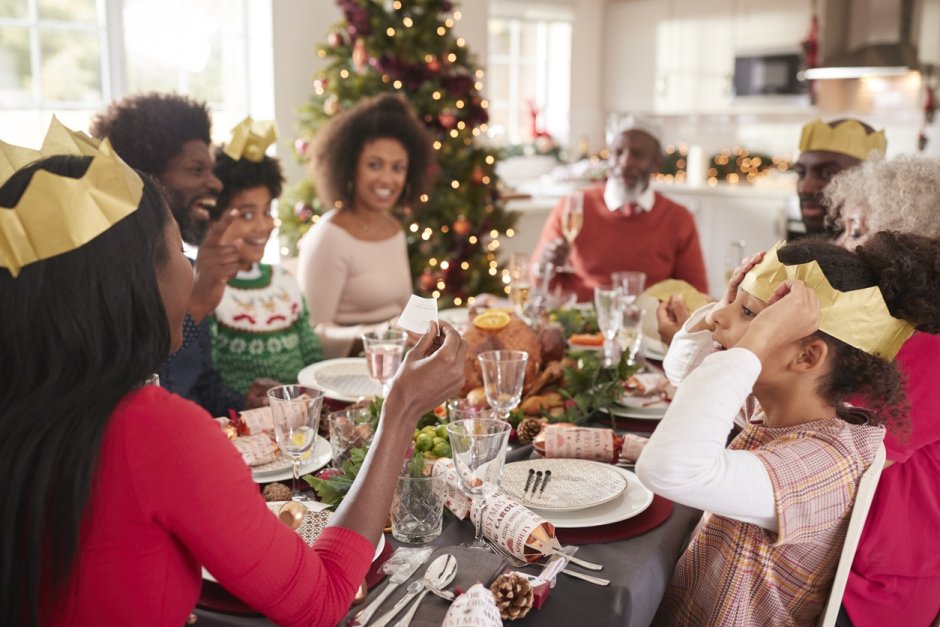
(384,352)
(479,450)
(296,413)
(503,376)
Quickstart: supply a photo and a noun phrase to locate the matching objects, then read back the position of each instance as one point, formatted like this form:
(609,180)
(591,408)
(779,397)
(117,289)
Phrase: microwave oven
(768,75)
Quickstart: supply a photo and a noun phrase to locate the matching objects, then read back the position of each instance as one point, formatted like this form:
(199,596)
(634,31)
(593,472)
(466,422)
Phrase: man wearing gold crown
(168,136)
(825,150)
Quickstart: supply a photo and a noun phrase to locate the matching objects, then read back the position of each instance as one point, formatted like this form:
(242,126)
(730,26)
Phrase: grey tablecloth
(638,568)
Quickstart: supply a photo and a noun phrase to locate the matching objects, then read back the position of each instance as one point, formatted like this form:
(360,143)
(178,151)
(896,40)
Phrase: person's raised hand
(257,395)
(792,313)
(556,252)
(216,263)
(431,373)
(731,292)
(670,316)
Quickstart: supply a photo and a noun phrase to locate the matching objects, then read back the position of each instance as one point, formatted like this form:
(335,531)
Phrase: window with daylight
(72,57)
(528,71)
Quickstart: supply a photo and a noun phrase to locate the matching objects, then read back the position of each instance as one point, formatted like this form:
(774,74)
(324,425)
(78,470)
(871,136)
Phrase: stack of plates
(580,493)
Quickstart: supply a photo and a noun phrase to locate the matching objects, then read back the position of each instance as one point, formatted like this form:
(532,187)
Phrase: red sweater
(895,578)
(662,242)
(172,494)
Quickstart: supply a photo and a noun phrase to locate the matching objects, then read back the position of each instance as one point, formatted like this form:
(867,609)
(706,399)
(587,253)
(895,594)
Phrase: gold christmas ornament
(250,139)
(57,214)
(848,137)
(859,318)
(513,595)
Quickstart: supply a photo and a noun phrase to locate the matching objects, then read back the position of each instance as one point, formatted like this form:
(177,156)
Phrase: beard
(617,193)
(192,231)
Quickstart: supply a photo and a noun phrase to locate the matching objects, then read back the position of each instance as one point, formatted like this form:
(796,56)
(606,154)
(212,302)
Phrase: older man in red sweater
(627,225)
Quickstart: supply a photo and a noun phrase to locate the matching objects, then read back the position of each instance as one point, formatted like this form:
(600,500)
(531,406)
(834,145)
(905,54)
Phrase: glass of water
(296,413)
(608,305)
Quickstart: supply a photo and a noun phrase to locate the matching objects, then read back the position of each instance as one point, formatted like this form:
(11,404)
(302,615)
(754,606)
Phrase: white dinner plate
(640,413)
(630,503)
(574,484)
(280,469)
(315,506)
(345,379)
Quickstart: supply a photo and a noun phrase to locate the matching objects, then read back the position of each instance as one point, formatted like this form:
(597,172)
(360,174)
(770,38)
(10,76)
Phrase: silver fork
(515,562)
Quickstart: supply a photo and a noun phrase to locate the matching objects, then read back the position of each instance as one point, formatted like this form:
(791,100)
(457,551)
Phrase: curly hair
(241,174)
(148,130)
(339,144)
(905,268)
(900,194)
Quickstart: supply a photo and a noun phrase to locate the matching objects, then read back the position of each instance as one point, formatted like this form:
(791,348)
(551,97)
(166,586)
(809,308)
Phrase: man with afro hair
(168,137)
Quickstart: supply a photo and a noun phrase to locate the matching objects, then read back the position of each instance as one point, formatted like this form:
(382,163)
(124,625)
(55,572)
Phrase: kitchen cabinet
(677,56)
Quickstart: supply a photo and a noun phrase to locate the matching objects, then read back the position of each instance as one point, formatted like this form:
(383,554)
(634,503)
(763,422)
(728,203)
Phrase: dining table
(638,568)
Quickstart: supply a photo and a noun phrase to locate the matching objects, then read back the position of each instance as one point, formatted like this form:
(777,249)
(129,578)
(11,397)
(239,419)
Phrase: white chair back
(863,498)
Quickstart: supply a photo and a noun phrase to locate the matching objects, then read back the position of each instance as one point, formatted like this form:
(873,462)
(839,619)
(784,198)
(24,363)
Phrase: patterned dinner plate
(345,379)
(634,501)
(575,484)
(280,469)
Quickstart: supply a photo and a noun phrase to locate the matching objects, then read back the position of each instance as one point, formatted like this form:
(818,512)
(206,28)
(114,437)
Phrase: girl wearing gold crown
(261,326)
(798,331)
(111,500)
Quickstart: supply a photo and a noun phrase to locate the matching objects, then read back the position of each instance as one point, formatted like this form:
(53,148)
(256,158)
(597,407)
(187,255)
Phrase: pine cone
(529,428)
(513,595)
(276,492)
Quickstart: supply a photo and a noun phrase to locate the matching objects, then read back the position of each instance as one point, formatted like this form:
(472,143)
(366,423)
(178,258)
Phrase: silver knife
(399,577)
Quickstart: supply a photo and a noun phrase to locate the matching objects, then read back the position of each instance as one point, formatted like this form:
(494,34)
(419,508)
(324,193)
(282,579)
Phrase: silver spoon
(435,571)
(432,581)
(400,576)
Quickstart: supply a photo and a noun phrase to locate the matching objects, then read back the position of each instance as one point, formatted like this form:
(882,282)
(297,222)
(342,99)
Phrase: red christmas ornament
(477,175)
(434,65)
(461,225)
(427,280)
(335,39)
(447,119)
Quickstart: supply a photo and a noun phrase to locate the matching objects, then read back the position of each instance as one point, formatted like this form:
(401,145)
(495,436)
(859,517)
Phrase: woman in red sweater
(116,493)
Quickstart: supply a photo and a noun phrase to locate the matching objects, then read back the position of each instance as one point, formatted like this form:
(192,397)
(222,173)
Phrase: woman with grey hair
(896,572)
(901,194)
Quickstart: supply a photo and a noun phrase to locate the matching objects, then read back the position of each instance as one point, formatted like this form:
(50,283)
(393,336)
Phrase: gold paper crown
(57,214)
(250,138)
(848,137)
(859,318)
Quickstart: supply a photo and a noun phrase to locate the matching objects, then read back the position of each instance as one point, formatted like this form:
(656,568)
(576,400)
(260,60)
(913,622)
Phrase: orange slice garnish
(491,320)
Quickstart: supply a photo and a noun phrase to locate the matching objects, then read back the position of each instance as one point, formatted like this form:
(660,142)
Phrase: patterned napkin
(475,608)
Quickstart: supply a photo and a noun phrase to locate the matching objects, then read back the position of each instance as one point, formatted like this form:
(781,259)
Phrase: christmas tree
(408,47)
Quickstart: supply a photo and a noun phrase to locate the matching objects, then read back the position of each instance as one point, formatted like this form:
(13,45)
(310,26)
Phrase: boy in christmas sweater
(261,326)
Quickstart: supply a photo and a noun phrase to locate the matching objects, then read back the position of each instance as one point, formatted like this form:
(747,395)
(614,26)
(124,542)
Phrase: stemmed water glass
(608,305)
(296,413)
(542,274)
(384,351)
(479,450)
(631,285)
(503,376)
(572,219)
(519,281)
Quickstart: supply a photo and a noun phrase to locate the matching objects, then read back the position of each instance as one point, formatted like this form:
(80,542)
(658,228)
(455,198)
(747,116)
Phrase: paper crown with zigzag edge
(57,214)
(250,138)
(848,137)
(859,318)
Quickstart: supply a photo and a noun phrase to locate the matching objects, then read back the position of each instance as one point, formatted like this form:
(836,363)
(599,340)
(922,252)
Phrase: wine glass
(296,413)
(542,274)
(608,305)
(479,450)
(519,281)
(631,284)
(503,375)
(572,219)
(384,352)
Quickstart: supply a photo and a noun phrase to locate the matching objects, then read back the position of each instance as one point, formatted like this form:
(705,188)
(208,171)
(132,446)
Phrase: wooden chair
(863,498)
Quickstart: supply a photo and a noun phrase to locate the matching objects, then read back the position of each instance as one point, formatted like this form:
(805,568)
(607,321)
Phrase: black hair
(906,268)
(341,141)
(148,130)
(241,174)
(80,330)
